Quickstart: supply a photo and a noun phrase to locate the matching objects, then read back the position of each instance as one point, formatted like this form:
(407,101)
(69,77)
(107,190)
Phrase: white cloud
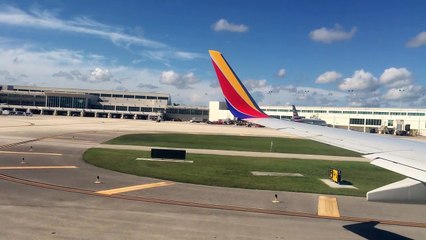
(8,77)
(100,75)
(121,88)
(147,85)
(164,55)
(224,25)
(94,75)
(251,84)
(411,92)
(39,19)
(329,35)
(214,84)
(74,69)
(396,77)
(328,77)
(361,80)
(281,73)
(187,55)
(67,75)
(178,80)
(418,40)
(46,20)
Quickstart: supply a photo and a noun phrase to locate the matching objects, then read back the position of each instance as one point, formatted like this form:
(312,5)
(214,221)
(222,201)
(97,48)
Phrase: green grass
(235,171)
(239,143)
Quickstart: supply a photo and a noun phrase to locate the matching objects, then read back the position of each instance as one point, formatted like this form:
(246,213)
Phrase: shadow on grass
(345,182)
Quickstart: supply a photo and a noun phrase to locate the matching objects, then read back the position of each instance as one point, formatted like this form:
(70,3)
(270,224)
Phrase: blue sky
(322,53)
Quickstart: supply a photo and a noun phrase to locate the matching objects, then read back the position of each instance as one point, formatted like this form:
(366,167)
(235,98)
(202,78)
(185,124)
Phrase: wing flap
(403,169)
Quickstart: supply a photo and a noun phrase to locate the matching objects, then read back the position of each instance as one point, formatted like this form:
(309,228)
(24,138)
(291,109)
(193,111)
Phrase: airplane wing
(402,156)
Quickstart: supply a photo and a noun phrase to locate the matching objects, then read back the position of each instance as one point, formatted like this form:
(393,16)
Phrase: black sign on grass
(168,153)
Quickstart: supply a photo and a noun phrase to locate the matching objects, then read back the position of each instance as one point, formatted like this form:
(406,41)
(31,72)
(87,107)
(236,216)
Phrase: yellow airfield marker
(37,167)
(31,153)
(134,188)
(327,206)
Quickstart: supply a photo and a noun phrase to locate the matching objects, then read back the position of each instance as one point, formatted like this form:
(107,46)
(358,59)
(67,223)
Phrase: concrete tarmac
(31,212)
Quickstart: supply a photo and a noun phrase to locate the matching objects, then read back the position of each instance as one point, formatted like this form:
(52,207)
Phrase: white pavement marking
(31,153)
(164,160)
(276,174)
(36,167)
(335,185)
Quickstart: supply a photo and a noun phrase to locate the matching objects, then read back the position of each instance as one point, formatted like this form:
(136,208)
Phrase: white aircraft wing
(404,157)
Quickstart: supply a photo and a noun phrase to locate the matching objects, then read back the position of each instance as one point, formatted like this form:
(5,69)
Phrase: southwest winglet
(238,99)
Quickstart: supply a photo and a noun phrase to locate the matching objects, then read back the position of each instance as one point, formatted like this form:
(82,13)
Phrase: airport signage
(335,175)
(168,153)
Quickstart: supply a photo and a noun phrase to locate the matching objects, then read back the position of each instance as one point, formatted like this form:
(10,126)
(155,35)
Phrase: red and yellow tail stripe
(239,101)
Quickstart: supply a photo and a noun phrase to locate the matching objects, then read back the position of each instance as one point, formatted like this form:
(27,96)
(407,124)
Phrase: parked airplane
(314,121)
(398,155)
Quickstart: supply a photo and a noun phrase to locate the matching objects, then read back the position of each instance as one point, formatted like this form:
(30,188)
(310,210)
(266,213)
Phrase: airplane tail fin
(238,99)
(295,114)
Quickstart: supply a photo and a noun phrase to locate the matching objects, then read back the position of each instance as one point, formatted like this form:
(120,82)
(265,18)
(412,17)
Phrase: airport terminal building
(94,103)
(360,119)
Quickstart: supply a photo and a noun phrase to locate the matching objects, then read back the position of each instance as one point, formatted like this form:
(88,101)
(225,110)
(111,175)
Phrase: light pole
(401,92)
(351,94)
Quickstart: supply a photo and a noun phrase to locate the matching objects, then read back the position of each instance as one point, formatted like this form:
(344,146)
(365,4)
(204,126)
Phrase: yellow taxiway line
(134,188)
(36,167)
(327,206)
(31,153)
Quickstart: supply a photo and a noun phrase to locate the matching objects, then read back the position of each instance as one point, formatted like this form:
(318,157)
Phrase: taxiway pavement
(37,212)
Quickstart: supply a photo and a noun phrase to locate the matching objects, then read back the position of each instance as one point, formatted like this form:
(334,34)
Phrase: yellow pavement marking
(31,153)
(36,167)
(134,188)
(327,206)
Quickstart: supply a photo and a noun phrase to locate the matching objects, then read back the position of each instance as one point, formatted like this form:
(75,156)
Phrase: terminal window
(108,107)
(349,112)
(171,110)
(375,122)
(416,114)
(121,108)
(79,102)
(184,111)
(357,121)
(134,109)
(53,101)
(158,109)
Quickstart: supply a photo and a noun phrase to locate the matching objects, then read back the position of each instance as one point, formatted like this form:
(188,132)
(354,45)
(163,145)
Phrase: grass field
(235,171)
(239,143)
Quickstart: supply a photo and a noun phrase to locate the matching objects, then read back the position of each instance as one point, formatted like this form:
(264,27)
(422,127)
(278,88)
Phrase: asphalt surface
(63,204)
